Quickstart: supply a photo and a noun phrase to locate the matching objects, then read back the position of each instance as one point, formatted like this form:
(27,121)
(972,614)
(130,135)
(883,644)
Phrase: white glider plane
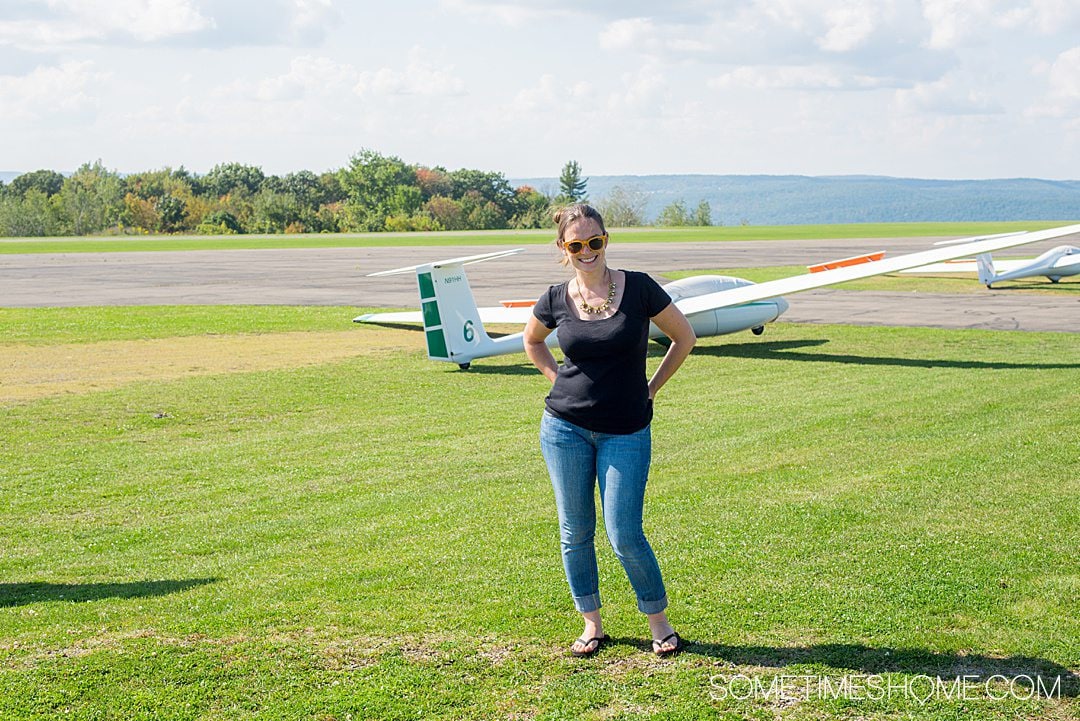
(714,304)
(1055,264)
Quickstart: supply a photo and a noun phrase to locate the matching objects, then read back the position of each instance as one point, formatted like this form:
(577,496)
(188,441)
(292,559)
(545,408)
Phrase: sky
(909,88)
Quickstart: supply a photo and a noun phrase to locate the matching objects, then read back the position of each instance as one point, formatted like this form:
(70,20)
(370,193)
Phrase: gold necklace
(603,306)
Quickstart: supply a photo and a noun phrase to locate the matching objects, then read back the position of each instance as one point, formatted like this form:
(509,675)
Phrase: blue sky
(937,88)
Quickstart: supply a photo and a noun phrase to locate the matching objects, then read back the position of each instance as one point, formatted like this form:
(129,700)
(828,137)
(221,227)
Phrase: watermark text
(921,689)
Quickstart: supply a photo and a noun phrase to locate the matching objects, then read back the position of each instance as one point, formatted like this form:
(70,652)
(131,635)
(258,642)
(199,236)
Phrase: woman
(596,423)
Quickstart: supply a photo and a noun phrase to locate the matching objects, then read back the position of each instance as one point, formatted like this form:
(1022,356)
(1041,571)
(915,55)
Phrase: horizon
(6,176)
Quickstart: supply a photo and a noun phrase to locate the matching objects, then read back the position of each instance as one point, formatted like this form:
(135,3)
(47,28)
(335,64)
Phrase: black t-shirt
(601,385)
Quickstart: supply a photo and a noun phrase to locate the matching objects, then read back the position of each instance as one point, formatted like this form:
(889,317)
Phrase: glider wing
(799,283)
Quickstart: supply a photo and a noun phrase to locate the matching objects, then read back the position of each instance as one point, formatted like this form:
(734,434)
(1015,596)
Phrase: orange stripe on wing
(844,262)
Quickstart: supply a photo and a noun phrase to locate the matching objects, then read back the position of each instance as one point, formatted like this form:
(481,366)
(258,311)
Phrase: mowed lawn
(374,537)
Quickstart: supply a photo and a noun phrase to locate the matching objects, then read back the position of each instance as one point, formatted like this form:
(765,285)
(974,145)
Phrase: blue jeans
(576,459)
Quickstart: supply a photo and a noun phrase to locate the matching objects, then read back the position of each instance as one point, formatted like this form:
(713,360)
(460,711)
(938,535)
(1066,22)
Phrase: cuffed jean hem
(587,604)
(649,607)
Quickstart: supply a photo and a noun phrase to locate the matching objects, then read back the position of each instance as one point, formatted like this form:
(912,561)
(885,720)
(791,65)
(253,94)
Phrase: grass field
(96,244)
(373,536)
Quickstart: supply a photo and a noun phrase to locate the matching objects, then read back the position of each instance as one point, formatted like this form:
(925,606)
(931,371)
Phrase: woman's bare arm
(676,327)
(536,334)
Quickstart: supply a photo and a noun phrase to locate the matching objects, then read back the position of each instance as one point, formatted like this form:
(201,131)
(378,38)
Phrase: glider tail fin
(985,265)
(452,326)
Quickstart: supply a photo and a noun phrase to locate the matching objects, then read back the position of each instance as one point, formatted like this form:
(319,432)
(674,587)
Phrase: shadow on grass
(22,594)
(785,350)
(394,326)
(516,370)
(420,329)
(975,668)
(1045,285)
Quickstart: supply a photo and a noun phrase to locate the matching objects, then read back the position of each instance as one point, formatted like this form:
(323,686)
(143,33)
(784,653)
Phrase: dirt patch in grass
(28,372)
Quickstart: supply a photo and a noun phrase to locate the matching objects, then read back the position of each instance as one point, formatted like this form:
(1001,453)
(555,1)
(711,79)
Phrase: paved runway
(336,276)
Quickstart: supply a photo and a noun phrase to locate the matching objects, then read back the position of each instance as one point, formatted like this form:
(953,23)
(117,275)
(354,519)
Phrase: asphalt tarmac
(336,276)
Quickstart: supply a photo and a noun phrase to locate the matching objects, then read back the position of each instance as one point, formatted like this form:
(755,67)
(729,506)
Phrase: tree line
(374,192)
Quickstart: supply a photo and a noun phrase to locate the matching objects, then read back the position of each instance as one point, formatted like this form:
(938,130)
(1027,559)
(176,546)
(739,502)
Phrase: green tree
(434,182)
(377,187)
(32,215)
(703,214)
(571,184)
(153,184)
(48,182)
(140,214)
(419,221)
(492,187)
(332,192)
(227,178)
(92,199)
(170,210)
(219,222)
(447,212)
(158,200)
(305,186)
(623,208)
(328,218)
(274,212)
(533,209)
(480,213)
(674,215)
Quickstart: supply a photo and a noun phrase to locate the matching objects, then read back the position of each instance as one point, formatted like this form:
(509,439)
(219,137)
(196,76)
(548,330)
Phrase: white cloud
(418,77)
(312,17)
(1048,17)
(628,34)
(1064,75)
(508,12)
(320,79)
(313,77)
(870,39)
(46,24)
(1062,96)
(849,25)
(953,22)
(50,91)
(523,13)
(545,95)
(834,26)
(948,96)
(793,77)
(308,75)
(549,98)
(144,20)
(81,21)
(642,35)
(960,23)
(642,92)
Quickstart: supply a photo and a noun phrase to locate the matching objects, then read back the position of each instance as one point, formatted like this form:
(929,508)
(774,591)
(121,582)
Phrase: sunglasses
(595,243)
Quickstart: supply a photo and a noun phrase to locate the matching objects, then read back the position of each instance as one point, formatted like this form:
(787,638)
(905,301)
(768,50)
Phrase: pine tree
(571,184)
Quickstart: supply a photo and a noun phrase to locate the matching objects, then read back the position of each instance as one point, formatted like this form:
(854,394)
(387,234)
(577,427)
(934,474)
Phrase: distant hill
(793,199)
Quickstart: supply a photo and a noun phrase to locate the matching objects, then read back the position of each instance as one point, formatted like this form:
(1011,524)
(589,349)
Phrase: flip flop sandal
(664,653)
(585,642)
